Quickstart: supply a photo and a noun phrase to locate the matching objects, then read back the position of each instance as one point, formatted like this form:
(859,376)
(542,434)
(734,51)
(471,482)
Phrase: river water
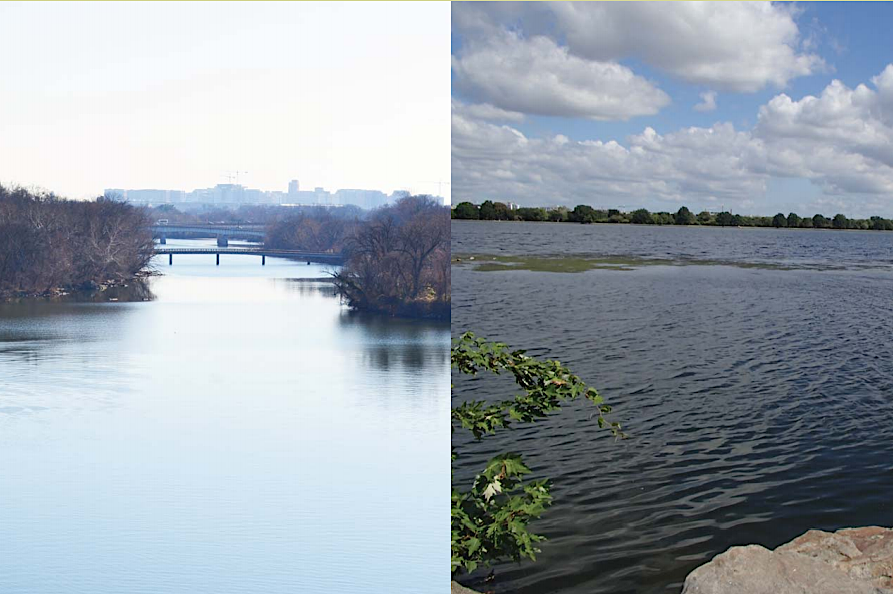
(240,432)
(759,401)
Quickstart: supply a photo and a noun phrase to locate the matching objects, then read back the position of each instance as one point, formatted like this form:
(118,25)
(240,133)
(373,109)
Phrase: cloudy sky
(178,96)
(755,107)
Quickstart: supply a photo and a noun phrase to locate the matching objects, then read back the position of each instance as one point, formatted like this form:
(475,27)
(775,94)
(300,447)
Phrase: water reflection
(398,343)
(235,434)
(306,287)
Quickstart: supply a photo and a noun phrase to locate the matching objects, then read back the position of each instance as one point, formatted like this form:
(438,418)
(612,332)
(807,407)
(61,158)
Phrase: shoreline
(88,288)
(695,226)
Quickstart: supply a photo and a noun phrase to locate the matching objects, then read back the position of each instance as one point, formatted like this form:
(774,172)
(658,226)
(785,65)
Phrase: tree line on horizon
(499,211)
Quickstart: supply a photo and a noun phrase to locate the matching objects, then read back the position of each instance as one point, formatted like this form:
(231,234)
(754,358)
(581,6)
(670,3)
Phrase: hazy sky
(177,96)
(753,106)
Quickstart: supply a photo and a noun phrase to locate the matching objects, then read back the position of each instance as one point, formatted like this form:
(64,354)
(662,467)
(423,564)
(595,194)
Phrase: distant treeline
(497,211)
(397,257)
(47,243)
(314,229)
(246,214)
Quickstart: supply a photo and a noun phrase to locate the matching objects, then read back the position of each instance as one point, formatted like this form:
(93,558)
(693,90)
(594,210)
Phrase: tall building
(363,198)
(235,194)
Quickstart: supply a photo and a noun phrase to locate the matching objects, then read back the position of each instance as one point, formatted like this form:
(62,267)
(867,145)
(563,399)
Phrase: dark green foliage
(558,215)
(685,217)
(582,214)
(663,218)
(466,210)
(487,211)
(820,222)
(724,219)
(490,522)
(532,214)
(502,211)
(641,217)
(587,214)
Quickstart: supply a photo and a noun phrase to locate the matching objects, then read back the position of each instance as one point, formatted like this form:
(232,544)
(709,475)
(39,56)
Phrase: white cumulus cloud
(537,76)
(840,140)
(734,46)
(708,101)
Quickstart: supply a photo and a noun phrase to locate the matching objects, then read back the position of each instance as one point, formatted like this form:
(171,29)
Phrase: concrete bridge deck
(257,231)
(323,258)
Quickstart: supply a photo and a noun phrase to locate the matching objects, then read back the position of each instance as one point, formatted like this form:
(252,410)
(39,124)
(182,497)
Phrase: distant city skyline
(230,194)
(185,95)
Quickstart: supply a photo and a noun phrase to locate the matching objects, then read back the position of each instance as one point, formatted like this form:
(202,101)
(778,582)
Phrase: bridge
(323,258)
(221,232)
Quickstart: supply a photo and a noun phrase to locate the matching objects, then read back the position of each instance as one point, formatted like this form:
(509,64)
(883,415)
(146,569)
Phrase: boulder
(457,588)
(849,561)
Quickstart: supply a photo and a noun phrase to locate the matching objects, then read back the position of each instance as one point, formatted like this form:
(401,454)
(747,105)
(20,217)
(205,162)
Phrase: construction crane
(439,185)
(235,174)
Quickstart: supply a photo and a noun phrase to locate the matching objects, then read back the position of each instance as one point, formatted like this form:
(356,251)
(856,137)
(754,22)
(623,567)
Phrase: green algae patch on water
(566,264)
(573,264)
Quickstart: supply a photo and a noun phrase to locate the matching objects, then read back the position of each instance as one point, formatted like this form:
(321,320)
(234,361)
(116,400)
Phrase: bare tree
(48,243)
(399,261)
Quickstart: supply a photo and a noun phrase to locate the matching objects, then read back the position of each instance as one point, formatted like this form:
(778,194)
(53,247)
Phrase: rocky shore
(849,561)
(456,588)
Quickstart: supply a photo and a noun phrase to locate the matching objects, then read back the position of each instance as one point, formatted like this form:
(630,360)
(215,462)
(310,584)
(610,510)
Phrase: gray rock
(849,561)
(456,588)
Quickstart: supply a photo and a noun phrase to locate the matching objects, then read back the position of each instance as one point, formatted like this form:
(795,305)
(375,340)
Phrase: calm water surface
(239,433)
(759,401)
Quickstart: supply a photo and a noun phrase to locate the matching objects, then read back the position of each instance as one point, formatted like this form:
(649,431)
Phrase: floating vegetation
(571,264)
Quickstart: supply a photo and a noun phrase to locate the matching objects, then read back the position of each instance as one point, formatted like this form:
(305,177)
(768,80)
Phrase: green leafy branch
(489,523)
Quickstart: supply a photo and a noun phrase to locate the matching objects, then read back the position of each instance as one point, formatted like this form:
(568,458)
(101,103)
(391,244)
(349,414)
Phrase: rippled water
(759,402)
(241,433)
(801,248)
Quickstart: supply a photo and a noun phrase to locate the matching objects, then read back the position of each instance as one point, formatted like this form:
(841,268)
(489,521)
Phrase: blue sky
(830,155)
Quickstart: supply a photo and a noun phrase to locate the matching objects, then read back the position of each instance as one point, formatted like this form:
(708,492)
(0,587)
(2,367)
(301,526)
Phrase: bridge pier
(170,259)
(163,240)
(218,259)
(222,241)
(263,260)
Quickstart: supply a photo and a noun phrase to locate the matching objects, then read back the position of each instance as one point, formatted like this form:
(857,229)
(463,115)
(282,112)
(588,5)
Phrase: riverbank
(50,246)
(133,289)
(399,262)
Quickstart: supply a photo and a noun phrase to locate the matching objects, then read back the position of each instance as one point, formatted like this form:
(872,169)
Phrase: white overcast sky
(177,95)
